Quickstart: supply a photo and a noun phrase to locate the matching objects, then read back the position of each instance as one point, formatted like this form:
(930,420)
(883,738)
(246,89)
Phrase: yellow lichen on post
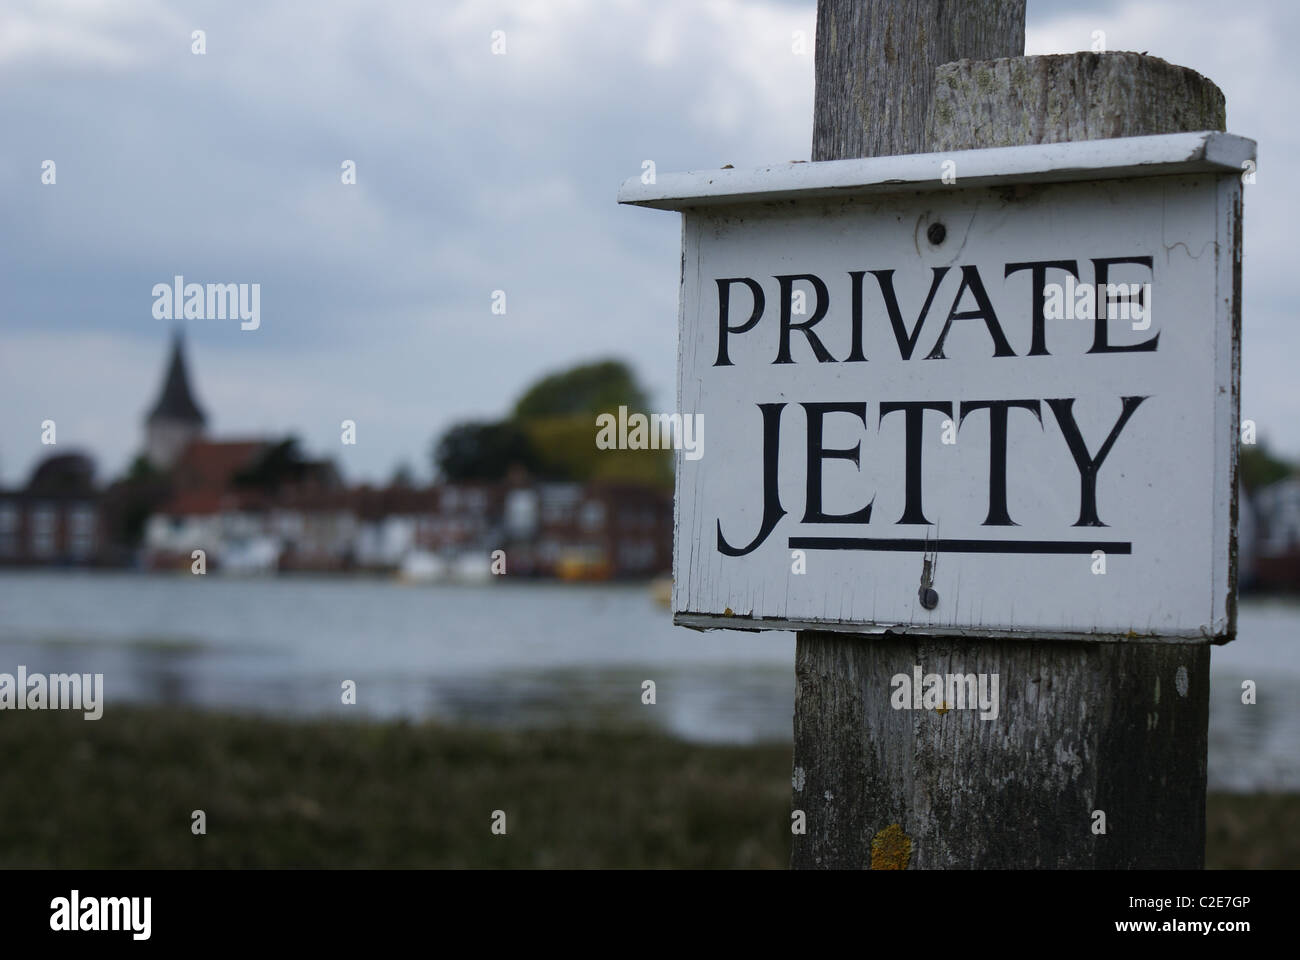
(891,849)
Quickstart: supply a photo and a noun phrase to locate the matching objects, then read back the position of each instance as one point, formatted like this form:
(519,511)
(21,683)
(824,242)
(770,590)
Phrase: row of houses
(566,530)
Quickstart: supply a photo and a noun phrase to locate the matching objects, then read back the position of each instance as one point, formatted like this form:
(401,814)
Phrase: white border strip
(1168,154)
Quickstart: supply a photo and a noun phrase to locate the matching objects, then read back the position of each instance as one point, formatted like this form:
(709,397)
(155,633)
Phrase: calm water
(513,654)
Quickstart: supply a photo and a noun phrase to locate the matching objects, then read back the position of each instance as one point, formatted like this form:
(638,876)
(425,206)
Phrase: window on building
(636,556)
(8,529)
(592,516)
(45,519)
(81,531)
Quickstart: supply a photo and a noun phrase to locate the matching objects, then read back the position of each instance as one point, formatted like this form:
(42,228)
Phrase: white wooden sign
(985,393)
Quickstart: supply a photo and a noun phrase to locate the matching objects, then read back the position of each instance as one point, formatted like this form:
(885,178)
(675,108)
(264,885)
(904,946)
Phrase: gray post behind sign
(1086,731)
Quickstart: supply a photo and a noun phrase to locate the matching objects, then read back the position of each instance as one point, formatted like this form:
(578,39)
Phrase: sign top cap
(1208,151)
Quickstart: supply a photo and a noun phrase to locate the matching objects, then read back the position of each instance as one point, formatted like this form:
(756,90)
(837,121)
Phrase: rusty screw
(929,597)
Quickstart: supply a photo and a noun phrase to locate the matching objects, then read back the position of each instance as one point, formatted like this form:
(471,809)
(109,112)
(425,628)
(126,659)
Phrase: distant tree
(551,432)
(1259,467)
(567,450)
(141,470)
(483,451)
(559,414)
(63,473)
(131,500)
(280,464)
(127,509)
(590,388)
(403,477)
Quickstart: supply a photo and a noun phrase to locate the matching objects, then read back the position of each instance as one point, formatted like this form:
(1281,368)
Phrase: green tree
(141,470)
(551,432)
(279,464)
(403,477)
(483,451)
(589,388)
(1259,467)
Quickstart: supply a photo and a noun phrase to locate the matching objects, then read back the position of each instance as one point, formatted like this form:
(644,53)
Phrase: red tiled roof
(210,466)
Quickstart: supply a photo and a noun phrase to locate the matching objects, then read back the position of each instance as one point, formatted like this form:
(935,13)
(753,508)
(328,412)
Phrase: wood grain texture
(1116,727)
(876,62)
(1078,96)
(1081,727)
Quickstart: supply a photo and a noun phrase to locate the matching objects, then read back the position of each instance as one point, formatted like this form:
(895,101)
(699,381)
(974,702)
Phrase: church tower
(175,419)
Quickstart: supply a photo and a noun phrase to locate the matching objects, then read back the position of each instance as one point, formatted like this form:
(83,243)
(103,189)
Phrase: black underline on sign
(922,545)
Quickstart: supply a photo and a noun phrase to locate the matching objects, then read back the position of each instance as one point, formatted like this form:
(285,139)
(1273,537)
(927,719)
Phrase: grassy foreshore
(120,792)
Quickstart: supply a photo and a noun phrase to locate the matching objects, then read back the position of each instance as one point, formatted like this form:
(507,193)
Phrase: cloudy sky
(475,172)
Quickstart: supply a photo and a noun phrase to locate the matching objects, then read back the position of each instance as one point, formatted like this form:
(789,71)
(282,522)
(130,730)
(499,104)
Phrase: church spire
(176,402)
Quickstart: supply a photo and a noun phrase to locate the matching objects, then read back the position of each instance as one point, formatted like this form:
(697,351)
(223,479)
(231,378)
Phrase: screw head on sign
(929,597)
(935,233)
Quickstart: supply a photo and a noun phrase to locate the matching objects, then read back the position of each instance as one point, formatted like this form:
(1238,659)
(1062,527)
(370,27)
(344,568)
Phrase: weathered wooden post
(1065,554)
(1084,726)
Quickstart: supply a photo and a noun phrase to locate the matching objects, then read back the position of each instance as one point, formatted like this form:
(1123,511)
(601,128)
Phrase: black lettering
(970,280)
(823,303)
(855,350)
(915,416)
(906,341)
(818,453)
(1086,464)
(724,311)
(1038,277)
(772,509)
(1101,307)
(998,515)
